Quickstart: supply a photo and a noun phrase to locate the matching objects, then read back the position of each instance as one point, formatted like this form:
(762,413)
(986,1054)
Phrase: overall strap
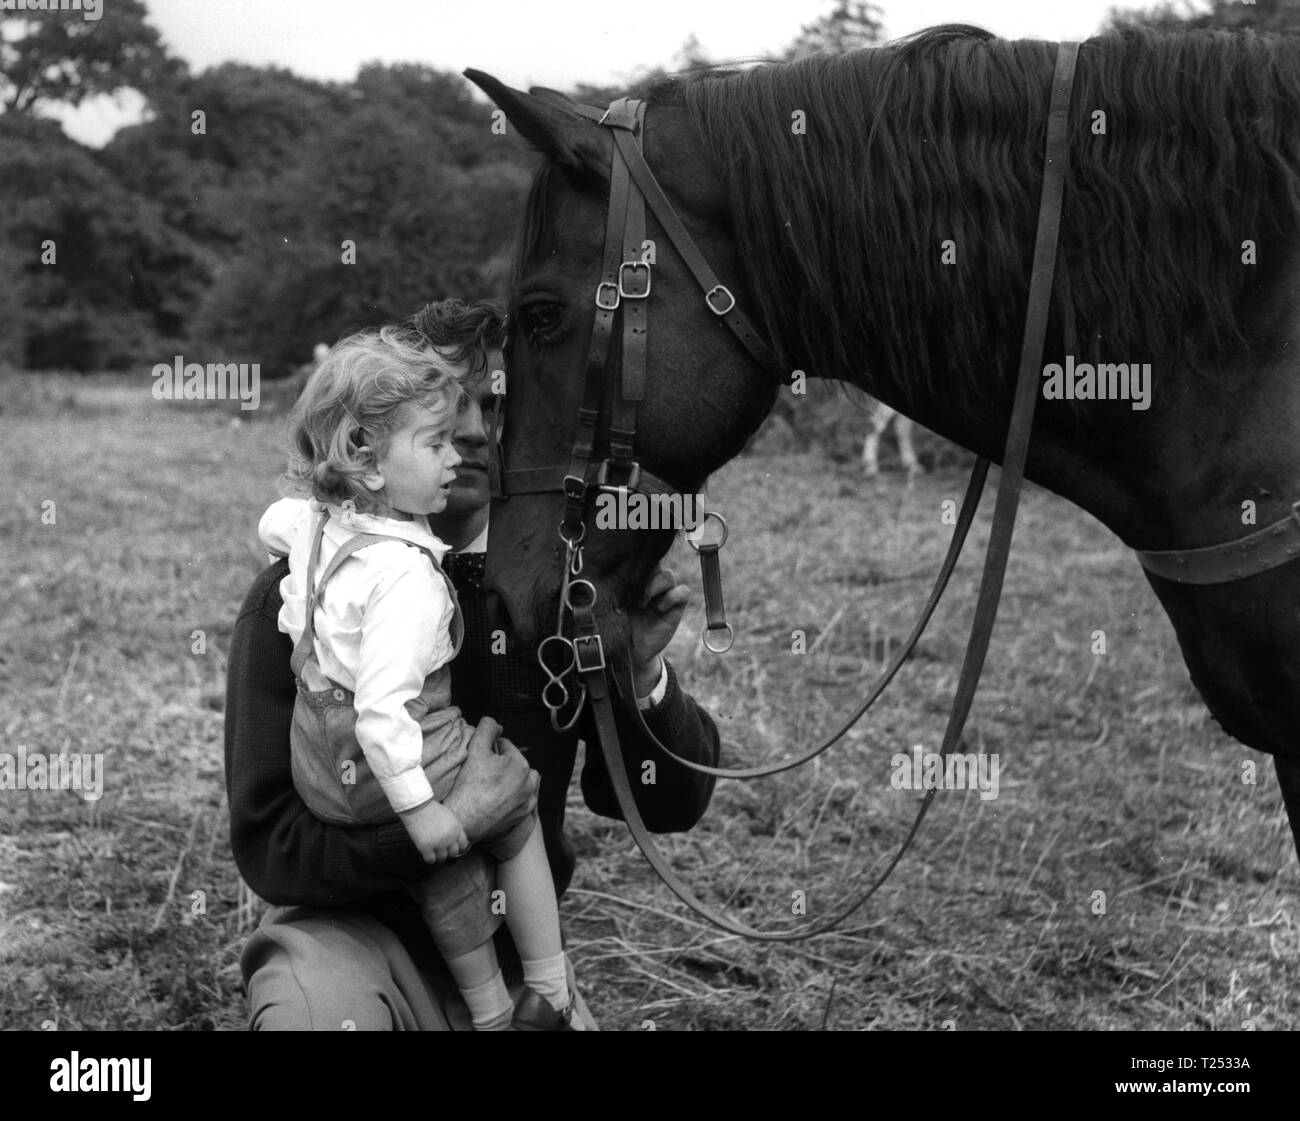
(306,641)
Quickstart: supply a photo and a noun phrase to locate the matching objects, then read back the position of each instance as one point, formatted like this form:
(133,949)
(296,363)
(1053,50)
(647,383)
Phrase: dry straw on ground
(1113,777)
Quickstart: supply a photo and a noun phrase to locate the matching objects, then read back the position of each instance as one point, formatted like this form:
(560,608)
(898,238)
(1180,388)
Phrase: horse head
(702,395)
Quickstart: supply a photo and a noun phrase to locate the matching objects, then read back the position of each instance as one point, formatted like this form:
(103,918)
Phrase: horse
(882,416)
(875,213)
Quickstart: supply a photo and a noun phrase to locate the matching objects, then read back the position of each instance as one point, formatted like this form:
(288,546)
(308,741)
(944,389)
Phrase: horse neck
(1171,475)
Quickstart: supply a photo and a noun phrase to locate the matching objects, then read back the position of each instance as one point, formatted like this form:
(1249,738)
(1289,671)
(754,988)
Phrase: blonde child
(375,623)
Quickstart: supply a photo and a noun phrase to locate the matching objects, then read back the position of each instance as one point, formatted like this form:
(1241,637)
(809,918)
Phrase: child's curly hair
(352,404)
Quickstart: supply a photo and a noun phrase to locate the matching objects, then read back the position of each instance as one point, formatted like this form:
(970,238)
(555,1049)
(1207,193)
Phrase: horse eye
(540,319)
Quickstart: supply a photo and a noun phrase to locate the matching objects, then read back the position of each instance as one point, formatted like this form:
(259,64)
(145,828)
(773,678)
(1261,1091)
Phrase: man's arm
(285,853)
(678,797)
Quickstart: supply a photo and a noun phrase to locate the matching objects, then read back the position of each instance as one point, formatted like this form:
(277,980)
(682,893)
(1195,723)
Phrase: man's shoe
(534,1013)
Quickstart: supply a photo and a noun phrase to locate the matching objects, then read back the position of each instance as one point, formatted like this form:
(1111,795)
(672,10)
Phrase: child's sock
(490,1006)
(549,978)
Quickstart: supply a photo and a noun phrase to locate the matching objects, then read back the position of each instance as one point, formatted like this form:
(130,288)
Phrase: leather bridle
(625,285)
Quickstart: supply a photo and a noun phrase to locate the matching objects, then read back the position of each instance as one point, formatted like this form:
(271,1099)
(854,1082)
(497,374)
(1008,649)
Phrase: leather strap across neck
(1267,548)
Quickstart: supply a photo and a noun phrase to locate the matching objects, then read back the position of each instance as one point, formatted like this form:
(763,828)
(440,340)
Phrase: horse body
(899,226)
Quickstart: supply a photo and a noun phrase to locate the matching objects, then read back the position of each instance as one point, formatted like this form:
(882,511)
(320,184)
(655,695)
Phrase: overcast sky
(534,42)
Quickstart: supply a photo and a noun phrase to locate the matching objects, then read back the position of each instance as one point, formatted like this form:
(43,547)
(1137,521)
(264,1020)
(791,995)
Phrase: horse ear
(560,100)
(549,122)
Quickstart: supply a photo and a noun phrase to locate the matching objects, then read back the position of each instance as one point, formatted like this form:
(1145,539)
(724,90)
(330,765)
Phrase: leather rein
(576,667)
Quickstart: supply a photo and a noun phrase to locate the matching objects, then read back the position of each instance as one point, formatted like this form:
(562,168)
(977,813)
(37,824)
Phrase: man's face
(471,491)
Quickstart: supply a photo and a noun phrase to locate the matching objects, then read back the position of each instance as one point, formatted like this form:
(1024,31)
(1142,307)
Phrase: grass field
(1113,778)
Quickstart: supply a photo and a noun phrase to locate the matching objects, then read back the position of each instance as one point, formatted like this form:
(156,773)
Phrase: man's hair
(353,403)
(464,333)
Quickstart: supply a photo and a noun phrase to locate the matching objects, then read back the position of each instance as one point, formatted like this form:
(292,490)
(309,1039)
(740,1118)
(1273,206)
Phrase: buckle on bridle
(620,114)
(575,487)
(600,288)
(723,290)
(622,287)
(588,653)
(602,477)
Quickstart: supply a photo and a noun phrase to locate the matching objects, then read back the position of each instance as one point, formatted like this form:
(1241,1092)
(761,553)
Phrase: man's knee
(305,971)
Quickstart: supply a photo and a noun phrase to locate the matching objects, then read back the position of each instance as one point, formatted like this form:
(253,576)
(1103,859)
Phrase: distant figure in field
(881,416)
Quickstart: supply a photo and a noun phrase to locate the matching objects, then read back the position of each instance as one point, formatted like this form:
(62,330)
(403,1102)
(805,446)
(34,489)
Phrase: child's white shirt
(384,625)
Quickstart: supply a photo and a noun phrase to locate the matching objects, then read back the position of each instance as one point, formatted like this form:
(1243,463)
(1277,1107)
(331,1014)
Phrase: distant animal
(881,417)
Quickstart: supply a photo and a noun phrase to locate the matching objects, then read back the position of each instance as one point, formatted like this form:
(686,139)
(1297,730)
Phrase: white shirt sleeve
(658,693)
(279,524)
(405,636)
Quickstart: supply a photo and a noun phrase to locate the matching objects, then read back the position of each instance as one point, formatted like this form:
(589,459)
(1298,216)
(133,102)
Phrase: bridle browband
(625,284)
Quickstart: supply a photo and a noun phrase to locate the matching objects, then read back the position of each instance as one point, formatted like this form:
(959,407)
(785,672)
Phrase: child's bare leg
(477,973)
(532,913)
(478,976)
(475,968)
(533,917)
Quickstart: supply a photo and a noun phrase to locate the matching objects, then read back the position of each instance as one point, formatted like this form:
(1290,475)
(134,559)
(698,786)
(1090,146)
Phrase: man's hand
(654,622)
(495,788)
(437,832)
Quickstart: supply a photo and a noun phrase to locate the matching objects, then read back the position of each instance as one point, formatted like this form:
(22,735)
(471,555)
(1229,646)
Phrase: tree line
(256,212)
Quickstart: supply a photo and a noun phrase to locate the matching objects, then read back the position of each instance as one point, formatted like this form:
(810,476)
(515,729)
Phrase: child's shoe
(534,1013)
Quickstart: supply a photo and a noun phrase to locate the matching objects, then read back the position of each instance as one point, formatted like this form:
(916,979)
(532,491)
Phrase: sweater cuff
(397,849)
(657,694)
(668,718)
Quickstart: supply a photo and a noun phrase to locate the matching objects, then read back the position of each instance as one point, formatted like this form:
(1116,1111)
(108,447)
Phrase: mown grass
(1113,777)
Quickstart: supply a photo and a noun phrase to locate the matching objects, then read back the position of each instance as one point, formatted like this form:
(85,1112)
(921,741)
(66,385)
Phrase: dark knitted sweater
(288,856)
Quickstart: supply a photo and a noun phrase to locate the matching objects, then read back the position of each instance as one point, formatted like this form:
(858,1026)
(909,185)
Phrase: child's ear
(372,480)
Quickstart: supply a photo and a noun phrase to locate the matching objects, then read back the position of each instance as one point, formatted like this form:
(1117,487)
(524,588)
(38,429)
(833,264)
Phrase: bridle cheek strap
(717,296)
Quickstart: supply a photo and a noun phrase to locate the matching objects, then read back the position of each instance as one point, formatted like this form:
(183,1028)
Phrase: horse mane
(939,137)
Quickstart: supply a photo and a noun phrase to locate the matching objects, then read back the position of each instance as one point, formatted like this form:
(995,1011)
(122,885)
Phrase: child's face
(417,468)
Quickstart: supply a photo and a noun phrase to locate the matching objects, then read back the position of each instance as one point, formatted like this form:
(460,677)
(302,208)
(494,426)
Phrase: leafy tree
(413,177)
(59,56)
(848,25)
(437,104)
(88,261)
(1262,15)
(691,55)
